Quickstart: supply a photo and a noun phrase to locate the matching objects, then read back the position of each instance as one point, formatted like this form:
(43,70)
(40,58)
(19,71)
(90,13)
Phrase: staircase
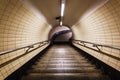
(62,62)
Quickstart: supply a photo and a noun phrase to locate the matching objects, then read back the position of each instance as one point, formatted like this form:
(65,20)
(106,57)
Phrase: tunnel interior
(28,27)
(60,34)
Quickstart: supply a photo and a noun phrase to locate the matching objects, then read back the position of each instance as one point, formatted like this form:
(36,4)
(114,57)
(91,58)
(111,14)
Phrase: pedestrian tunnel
(84,32)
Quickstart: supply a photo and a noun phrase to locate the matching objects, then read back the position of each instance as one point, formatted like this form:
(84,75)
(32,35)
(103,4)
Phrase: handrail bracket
(96,47)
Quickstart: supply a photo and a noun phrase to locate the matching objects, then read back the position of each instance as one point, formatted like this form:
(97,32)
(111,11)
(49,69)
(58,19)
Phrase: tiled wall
(103,27)
(18,27)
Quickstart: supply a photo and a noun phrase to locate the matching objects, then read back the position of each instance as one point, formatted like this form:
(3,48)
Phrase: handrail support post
(96,47)
(29,47)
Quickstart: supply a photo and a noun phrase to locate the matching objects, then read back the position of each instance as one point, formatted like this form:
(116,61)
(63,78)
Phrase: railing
(29,47)
(95,44)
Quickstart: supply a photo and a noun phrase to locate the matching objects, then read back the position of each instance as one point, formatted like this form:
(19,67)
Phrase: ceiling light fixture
(62,11)
(62,7)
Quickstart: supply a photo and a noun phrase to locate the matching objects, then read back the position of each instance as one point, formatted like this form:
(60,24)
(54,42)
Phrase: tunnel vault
(52,9)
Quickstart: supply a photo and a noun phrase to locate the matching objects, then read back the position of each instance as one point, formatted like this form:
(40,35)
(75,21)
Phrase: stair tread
(67,65)
(65,70)
(54,66)
(66,76)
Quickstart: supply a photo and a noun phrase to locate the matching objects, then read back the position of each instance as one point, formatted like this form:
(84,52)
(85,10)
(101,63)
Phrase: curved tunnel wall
(59,34)
(18,27)
(103,27)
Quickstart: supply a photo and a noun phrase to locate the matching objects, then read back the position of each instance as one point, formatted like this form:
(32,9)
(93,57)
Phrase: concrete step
(65,76)
(63,65)
(66,65)
(47,59)
(64,70)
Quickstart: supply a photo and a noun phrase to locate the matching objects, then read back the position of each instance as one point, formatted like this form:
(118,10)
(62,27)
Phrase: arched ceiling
(74,9)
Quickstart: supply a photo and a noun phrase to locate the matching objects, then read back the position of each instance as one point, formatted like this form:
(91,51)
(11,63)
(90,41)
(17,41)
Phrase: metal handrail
(29,46)
(95,44)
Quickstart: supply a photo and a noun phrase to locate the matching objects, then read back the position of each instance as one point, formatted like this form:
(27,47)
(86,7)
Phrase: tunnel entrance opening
(60,34)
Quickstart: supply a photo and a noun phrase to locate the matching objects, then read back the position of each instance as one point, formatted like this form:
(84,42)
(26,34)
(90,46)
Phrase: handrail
(96,45)
(29,46)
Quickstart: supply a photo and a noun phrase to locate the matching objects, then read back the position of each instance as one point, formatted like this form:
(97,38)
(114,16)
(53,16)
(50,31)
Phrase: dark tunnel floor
(62,62)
